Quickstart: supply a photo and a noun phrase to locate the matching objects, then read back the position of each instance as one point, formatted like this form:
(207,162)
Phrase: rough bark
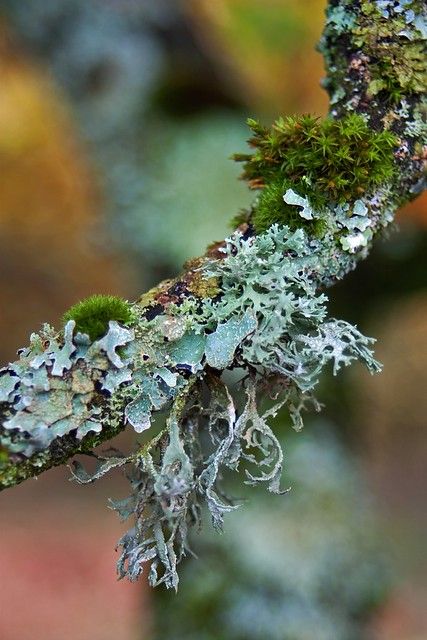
(66,394)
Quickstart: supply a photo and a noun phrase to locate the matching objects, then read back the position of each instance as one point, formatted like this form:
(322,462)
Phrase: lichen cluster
(187,365)
(271,276)
(397,67)
(269,320)
(386,43)
(283,547)
(51,390)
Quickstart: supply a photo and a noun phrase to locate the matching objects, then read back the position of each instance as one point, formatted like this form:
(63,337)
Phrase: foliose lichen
(270,319)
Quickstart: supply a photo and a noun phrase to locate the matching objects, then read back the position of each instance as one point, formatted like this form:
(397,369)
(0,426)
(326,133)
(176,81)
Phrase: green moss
(203,287)
(272,208)
(93,314)
(4,456)
(397,64)
(323,160)
(242,217)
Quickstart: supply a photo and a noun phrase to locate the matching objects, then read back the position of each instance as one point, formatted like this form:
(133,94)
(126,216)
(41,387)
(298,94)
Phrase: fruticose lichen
(270,320)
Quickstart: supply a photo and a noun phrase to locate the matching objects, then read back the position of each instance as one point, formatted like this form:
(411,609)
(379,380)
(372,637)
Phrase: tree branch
(254,303)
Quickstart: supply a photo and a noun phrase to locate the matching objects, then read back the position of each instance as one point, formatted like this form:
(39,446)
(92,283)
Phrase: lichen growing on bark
(254,307)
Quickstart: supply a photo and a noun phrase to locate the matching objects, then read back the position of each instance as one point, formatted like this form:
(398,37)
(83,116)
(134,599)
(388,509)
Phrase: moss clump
(93,314)
(272,207)
(323,160)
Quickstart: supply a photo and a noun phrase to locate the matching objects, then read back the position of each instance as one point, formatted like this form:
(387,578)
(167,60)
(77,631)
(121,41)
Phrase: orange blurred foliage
(49,205)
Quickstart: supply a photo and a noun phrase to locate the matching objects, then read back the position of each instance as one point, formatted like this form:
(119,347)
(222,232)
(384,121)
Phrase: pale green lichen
(269,319)
(272,275)
(223,342)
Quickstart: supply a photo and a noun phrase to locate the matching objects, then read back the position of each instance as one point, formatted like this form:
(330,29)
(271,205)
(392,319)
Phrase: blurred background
(117,120)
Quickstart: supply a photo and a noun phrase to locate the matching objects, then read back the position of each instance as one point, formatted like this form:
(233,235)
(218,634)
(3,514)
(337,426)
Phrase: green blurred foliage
(190,188)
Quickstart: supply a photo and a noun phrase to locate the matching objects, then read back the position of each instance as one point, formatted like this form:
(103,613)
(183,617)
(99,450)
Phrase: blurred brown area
(394,405)
(52,253)
(58,578)
(392,409)
(57,564)
(416,211)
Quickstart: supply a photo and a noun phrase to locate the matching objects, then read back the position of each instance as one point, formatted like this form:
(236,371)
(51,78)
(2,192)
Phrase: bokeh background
(117,120)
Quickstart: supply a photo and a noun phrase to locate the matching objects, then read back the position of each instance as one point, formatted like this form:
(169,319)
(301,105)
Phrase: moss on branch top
(93,314)
(323,160)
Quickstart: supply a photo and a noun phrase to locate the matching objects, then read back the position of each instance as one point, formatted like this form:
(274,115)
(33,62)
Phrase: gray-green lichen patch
(116,336)
(223,342)
(291,197)
(188,351)
(270,320)
(104,465)
(55,390)
(276,277)
(170,493)
(114,378)
(152,396)
(8,383)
